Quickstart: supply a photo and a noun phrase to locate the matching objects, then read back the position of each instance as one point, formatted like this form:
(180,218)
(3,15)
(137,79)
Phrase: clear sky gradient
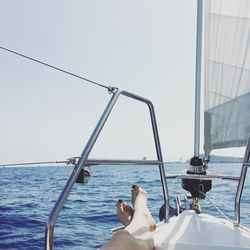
(146,47)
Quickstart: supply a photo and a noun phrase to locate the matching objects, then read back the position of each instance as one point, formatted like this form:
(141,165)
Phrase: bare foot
(134,193)
(124,212)
(139,202)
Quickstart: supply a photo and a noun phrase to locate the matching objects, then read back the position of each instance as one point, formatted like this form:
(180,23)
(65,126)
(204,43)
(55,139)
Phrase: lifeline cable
(110,88)
(223,214)
(33,163)
(69,161)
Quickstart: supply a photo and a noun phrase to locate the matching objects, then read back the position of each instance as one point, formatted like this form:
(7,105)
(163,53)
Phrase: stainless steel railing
(243,173)
(49,229)
(202,177)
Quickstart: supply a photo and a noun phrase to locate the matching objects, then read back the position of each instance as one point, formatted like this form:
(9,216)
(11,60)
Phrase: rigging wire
(35,163)
(69,161)
(223,214)
(110,89)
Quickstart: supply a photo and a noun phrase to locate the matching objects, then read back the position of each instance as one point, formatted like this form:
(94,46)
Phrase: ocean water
(28,194)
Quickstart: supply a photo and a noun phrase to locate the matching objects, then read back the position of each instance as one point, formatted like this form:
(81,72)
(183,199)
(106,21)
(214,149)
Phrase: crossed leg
(139,224)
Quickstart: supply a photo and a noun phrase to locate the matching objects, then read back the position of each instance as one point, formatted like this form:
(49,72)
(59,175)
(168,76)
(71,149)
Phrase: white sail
(227,73)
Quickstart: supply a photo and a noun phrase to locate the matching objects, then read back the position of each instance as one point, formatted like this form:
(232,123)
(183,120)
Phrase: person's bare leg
(137,235)
(142,203)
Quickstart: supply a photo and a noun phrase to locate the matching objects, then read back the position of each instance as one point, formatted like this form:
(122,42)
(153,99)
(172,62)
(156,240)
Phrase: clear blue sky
(146,47)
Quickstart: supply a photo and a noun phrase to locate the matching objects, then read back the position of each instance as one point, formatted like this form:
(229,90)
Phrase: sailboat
(226,57)
(226,118)
(227,102)
(227,124)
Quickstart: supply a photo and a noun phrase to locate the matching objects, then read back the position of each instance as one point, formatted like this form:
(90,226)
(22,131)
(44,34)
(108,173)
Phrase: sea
(28,195)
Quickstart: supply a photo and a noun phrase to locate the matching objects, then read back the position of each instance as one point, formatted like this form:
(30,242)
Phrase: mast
(197,188)
(196,163)
(198,78)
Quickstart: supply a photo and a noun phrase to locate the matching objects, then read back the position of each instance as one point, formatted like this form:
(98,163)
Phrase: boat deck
(192,231)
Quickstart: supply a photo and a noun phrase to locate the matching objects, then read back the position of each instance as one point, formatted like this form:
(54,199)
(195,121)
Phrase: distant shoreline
(222,159)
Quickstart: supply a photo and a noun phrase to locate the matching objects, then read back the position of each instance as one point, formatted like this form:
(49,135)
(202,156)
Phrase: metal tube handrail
(243,173)
(90,162)
(202,177)
(49,228)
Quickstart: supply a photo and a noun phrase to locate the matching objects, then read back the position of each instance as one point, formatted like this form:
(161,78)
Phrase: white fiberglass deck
(190,231)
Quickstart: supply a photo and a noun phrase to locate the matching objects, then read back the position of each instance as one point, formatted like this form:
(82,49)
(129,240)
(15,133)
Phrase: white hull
(190,231)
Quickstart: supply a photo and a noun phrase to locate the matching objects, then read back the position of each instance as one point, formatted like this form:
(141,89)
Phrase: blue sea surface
(28,195)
